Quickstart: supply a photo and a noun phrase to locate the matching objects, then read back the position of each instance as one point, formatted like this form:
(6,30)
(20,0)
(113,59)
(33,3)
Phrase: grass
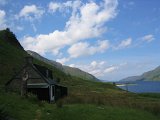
(94,112)
(30,108)
(150,95)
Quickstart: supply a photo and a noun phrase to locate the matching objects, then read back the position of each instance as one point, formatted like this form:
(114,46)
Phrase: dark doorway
(42,93)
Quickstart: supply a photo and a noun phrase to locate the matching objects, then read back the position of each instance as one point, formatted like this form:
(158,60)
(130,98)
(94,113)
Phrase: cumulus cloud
(53,7)
(80,26)
(63,60)
(98,68)
(2,19)
(19,28)
(111,69)
(148,38)
(30,12)
(95,68)
(124,43)
(84,49)
(62,7)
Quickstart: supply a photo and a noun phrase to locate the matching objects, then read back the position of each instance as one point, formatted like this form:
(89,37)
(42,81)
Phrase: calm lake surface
(141,86)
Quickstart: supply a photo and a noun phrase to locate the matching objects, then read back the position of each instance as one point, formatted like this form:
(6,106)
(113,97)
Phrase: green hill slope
(153,75)
(11,55)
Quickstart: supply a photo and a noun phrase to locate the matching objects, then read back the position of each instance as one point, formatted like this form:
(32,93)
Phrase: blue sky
(111,39)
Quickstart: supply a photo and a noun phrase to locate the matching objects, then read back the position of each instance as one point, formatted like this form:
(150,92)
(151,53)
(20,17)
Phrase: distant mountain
(131,79)
(66,69)
(153,75)
(79,73)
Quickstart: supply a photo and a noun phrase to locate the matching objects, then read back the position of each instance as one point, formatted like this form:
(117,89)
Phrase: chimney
(29,60)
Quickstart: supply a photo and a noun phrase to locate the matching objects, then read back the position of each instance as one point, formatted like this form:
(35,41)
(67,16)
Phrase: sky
(111,39)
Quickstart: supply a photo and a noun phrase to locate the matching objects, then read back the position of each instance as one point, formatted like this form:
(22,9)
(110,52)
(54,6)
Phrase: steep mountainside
(153,75)
(132,78)
(78,73)
(66,69)
(11,55)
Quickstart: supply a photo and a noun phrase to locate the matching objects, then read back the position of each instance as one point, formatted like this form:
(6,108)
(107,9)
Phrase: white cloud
(129,4)
(84,49)
(72,65)
(94,63)
(30,12)
(95,68)
(111,69)
(124,43)
(63,7)
(34,27)
(80,26)
(98,68)
(2,20)
(53,6)
(148,38)
(63,60)
(19,28)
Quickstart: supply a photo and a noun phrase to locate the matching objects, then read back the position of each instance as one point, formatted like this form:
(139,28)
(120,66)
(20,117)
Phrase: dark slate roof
(50,81)
(43,70)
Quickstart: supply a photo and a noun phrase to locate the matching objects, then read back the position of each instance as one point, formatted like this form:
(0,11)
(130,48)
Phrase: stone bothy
(38,80)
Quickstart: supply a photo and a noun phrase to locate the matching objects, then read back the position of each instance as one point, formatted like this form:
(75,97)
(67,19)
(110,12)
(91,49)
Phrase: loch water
(140,86)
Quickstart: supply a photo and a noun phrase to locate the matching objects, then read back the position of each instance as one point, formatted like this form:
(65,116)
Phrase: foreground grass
(93,112)
(19,108)
(14,107)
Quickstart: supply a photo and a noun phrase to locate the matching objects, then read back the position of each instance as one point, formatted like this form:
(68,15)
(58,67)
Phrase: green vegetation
(153,75)
(88,100)
(11,57)
(30,109)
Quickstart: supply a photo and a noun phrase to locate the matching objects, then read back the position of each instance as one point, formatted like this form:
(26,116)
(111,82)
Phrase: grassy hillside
(153,75)
(86,99)
(11,56)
